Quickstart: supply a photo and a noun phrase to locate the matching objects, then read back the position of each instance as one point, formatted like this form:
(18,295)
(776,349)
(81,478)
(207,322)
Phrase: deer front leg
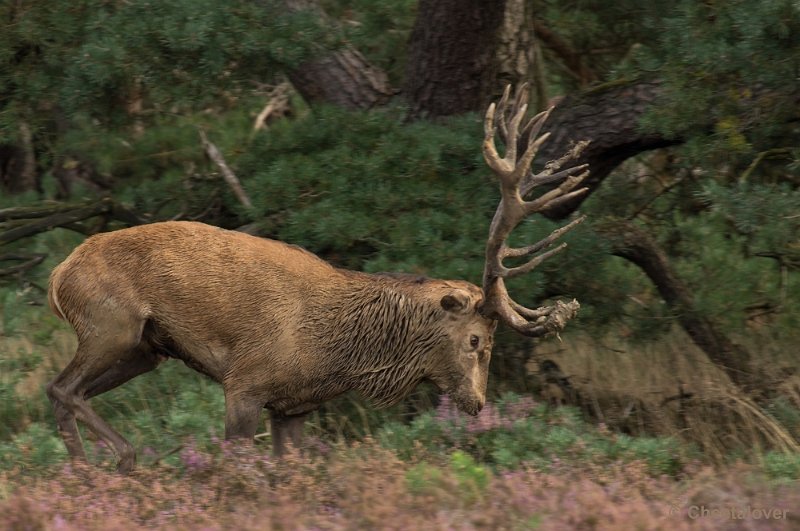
(241,416)
(286,429)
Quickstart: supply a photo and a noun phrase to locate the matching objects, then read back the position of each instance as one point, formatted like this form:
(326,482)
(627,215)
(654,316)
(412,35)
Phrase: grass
(634,388)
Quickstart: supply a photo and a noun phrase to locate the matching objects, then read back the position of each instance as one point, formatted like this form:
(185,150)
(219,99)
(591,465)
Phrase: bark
(635,245)
(18,164)
(342,77)
(515,50)
(608,116)
(452,60)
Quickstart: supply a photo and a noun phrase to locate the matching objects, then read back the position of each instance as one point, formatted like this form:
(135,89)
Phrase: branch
(37,211)
(55,220)
(29,261)
(277,105)
(571,58)
(214,154)
(60,215)
(632,243)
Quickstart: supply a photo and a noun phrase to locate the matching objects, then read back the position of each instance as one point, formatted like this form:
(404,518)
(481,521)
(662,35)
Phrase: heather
(518,465)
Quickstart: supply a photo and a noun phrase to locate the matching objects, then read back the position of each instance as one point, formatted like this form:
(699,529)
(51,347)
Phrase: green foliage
(763,215)
(91,55)
(516,432)
(603,35)
(35,449)
(728,64)
(373,193)
(749,257)
(120,88)
(782,466)
(471,478)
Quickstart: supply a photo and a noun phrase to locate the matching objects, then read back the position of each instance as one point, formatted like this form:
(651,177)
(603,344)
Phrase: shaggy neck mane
(378,340)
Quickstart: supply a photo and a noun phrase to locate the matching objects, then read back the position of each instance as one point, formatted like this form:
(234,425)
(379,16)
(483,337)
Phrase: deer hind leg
(141,360)
(103,361)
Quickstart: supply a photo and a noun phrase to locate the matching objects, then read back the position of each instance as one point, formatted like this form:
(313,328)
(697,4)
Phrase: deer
(283,330)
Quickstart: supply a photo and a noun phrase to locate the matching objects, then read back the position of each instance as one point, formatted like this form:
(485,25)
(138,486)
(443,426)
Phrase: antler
(515,184)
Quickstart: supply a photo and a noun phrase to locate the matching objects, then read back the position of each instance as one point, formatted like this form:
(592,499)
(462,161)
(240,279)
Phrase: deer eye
(473,341)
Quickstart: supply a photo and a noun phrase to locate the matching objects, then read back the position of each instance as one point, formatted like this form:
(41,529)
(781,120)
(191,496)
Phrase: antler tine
(513,208)
(501,108)
(540,179)
(512,252)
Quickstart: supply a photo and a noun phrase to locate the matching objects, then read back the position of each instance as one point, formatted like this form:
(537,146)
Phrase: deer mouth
(467,402)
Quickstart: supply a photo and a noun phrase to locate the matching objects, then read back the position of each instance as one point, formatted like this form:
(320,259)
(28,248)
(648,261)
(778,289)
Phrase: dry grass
(671,388)
(55,355)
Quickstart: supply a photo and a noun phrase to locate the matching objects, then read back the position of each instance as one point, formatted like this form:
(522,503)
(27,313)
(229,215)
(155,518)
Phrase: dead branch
(43,219)
(214,154)
(38,211)
(278,105)
(28,261)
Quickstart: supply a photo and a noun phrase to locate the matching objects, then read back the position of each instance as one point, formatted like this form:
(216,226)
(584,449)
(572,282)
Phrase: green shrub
(518,431)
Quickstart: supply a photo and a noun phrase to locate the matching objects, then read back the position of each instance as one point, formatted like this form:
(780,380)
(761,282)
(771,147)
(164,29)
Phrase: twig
(278,103)
(775,152)
(664,189)
(214,154)
(167,454)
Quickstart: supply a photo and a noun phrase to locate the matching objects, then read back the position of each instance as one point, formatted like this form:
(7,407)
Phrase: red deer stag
(280,328)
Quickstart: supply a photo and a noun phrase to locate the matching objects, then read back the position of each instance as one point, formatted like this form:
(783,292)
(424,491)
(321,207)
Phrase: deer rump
(278,327)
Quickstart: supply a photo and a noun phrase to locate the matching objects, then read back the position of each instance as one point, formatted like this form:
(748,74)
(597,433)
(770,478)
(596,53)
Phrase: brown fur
(275,325)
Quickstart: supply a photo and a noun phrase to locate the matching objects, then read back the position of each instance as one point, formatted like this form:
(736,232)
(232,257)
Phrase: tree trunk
(635,245)
(18,171)
(452,57)
(515,50)
(342,77)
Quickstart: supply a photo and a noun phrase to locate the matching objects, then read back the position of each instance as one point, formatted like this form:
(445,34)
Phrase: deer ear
(455,302)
